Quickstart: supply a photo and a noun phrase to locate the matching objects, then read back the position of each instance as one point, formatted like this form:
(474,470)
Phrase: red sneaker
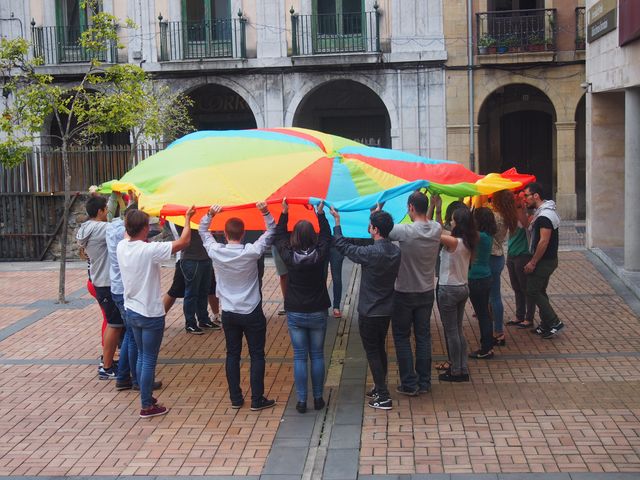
(154,411)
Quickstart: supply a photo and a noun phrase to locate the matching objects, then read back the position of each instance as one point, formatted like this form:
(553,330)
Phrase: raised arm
(266,238)
(185,238)
(208,241)
(355,253)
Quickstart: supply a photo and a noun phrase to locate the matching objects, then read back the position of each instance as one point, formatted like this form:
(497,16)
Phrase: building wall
(561,84)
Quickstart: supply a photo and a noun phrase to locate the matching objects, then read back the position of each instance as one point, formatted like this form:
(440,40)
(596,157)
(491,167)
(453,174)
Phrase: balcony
(335,33)
(516,31)
(61,45)
(581,32)
(218,38)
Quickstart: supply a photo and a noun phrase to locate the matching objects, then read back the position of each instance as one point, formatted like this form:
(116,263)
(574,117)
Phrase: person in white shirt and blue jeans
(238,288)
(140,270)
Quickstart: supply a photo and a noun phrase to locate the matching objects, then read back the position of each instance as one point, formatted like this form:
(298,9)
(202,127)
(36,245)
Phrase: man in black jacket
(380,263)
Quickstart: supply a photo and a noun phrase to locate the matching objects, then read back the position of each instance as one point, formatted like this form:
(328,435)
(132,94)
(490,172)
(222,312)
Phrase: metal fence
(32,194)
(61,44)
(335,33)
(28,224)
(516,31)
(218,38)
(42,170)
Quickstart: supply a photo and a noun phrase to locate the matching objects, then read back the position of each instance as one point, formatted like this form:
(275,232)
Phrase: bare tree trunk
(65,222)
(134,151)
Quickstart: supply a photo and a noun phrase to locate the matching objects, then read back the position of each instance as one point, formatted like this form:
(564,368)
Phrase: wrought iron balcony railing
(581,33)
(218,38)
(516,31)
(339,33)
(61,44)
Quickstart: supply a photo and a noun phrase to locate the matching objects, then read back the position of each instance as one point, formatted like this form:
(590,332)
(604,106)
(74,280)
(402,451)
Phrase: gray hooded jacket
(92,237)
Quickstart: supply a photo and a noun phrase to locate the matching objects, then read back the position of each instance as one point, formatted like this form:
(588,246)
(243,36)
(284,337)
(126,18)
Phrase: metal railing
(581,32)
(516,31)
(219,38)
(61,44)
(339,33)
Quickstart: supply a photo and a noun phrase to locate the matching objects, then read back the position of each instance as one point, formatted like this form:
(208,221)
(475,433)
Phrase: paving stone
(341,464)
(345,436)
(349,414)
(287,460)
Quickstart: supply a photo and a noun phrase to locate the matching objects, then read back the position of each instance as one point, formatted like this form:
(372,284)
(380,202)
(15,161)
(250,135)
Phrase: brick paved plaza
(570,405)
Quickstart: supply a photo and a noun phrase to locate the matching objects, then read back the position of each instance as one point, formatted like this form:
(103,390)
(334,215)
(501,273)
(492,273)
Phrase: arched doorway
(216,107)
(516,130)
(348,109)
(581,159)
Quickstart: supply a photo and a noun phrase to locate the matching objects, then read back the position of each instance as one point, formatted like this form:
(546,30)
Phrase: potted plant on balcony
(535,43)
(486,44)
(513,43)
(502,44)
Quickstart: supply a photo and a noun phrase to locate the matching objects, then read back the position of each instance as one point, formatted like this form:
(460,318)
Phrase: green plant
(486,41)
(536,39)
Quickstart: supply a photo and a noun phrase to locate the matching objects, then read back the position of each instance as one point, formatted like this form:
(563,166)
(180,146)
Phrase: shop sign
(601,19)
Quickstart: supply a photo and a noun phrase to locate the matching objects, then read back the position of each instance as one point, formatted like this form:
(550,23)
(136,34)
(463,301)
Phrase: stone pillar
(566,197)
(632,179)
(605,170)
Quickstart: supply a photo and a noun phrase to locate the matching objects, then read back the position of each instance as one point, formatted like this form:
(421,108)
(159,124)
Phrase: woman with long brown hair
(504,211)
(306,300)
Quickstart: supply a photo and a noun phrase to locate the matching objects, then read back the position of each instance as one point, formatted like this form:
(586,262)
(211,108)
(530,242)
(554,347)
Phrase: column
(632,179)
(566,198)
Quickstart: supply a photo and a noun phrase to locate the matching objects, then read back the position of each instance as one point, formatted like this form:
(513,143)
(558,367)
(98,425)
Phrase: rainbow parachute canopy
(237,168)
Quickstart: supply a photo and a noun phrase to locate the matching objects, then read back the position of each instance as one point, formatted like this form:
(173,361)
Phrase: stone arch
(311,85)
(190,85)
(517,129)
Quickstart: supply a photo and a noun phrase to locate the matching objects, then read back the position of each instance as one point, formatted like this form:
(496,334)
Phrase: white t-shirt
(140,269)
(454,266)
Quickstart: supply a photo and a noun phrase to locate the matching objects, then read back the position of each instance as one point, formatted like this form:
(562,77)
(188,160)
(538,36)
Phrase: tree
(130,100)
(34,97)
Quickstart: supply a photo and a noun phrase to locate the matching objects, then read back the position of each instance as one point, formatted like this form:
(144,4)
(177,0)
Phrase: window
(207,27)
(71,19)
(339,17)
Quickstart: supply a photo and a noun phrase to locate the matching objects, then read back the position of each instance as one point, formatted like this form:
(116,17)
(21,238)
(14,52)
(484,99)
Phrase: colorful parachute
(237,168)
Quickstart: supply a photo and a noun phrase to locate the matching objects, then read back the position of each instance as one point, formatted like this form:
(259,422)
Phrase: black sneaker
(373,393)
(539,330)
(261,404)
(553,330)
(479,354)
(318,403)
(237,404)
(107,373)
(156,386)
(407,391)
(124,385)
(210,326)
(423,390)
(381,403)
(447,377)
(301,407)
(194,330)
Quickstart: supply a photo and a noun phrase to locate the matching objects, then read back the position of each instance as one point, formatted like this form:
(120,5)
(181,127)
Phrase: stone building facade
(519,87)
(365,69)
(613,133)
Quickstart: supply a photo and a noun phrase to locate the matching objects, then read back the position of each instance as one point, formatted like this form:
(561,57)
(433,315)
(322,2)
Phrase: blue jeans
(495,298)
(197,282)
(307,332)
(413,311)
(128,348)
(335,261)
(148,332)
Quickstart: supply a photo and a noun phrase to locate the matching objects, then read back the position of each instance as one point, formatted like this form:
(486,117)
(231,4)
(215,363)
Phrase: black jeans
(413,310)
(479,290)
(525,307)
(373,332)
(254,327)
(197,282)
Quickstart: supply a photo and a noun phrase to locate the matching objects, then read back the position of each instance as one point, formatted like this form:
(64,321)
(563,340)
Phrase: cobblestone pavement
(571,404)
